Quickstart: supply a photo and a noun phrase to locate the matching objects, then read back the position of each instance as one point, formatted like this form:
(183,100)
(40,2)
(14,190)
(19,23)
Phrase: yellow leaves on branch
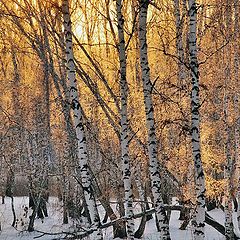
(215,188)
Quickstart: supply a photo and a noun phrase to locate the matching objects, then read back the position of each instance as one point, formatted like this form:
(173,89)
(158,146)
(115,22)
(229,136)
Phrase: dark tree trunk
(138,234)
(219,227)
(13,211)
(31,223)
(235,204)
(119,230)
(211,204)
(184,214)
(39,211)
(31,201)
(105,218)
(148,217)
(44,208)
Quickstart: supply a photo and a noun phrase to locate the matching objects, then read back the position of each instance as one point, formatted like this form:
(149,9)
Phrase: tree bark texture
(78,123)
(199,230)
(150,122)
(126,168)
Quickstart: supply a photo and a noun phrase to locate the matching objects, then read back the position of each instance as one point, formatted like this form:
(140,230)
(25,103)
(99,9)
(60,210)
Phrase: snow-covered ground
(54,223)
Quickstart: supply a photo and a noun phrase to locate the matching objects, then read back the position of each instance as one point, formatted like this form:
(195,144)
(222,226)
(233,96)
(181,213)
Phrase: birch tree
(229,234)
(236,100)
(126,169)
(199,230)
(227,174)
(150,123)
(78,123)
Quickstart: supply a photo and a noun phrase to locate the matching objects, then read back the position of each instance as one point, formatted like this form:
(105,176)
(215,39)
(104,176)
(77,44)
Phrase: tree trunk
(199,230)
(138,234)
(144,203)
(126,169)
(36,202)
(78,123)
(236,101)
(150,122)
(119,228)
(228,209)
(64,196)
(13,211)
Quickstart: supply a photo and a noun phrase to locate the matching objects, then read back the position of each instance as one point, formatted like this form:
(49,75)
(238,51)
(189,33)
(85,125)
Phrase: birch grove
(119,119)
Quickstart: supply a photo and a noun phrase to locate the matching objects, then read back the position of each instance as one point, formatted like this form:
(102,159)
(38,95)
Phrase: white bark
(78,123)
(236,101)
(229,234)
(228,168)
(126,169)
(227,175)
(150,122)
(199,230)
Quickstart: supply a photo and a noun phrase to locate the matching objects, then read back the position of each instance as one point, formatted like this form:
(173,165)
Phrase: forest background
(39,138)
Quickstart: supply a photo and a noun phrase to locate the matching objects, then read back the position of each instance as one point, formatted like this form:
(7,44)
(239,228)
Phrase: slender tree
(78,123)
(229,234)
(236,101)
(126,169)
(199,230)
(150,122)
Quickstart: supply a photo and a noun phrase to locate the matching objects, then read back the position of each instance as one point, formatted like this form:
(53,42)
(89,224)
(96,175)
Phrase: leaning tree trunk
(78,123)
(199,229)
(150,122)
(143,198)
(126,169)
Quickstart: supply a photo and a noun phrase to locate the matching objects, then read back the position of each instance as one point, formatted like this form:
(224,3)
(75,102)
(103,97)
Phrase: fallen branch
(80,235)
(50,234)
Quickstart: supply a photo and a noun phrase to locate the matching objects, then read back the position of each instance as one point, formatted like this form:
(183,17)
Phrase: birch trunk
(143,199)
(150,122)
(126,169)
(229,234)
(78,123)
(70,144)
(236,101)
(199,230)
